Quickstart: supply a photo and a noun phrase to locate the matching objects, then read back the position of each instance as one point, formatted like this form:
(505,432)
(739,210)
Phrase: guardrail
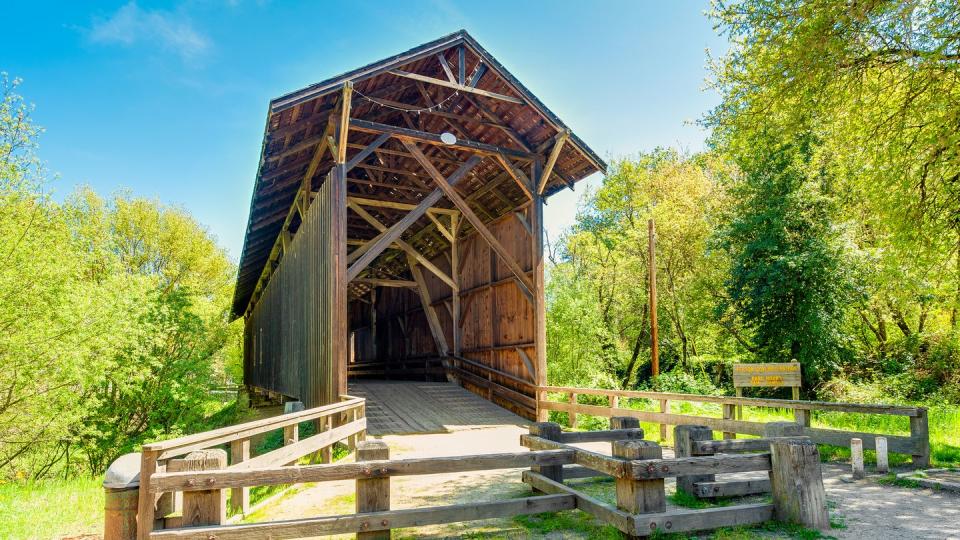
(917,445)
(345,420)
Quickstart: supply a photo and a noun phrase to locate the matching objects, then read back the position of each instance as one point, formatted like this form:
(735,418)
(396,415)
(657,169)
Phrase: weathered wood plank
(610,435)
(292,452)
(604,512)
(666,468)
(374,521)
(231,477)
(731,488)
(678,521)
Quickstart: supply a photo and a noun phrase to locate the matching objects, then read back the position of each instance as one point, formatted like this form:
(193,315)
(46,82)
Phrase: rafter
(552,161)
(434,139)
(455,86)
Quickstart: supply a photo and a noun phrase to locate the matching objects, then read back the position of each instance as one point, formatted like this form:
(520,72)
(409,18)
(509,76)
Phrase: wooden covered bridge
(396,229)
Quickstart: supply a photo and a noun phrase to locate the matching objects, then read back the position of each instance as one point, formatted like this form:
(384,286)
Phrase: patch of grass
(51,509)
(689,500)
(567,521)
(892,480)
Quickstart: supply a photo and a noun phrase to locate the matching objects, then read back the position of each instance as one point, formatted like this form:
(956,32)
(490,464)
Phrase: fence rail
(917,444)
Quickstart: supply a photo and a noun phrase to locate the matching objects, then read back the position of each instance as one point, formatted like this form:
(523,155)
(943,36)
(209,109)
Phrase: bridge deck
(403,407)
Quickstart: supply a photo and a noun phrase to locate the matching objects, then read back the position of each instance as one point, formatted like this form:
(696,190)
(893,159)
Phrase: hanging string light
(435,107)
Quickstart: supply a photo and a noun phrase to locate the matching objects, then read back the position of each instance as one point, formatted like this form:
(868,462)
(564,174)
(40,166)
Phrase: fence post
(205,507)
(664,408)
(572,415)
(624,422)
(729,413)
(639,496)
(146,502)
(121,487)
(240,497)
(373,494)
(551,432)
(683,439)
(614,404)
(920,433)
(542,414)
(796,483)
(802,416)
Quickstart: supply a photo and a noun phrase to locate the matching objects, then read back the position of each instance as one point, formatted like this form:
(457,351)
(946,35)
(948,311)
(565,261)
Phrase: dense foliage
(835,237)
(112,314)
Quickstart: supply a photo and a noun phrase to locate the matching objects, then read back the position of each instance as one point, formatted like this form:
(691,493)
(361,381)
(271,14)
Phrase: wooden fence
(916,445)
(159,503)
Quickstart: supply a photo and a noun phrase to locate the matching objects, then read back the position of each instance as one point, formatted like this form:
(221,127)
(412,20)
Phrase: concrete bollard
(121,487)
(883,462)
(856,458)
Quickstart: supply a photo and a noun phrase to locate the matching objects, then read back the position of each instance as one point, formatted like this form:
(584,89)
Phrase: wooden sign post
(771,375)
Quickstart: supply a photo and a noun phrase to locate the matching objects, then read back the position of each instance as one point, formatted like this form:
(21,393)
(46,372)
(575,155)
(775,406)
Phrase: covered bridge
(396,229)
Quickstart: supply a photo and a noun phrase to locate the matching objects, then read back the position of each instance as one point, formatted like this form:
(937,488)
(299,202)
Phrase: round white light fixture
(448,138)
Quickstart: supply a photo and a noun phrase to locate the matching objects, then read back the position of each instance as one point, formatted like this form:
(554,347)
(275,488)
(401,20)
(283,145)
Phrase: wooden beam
(455,86)
(468,213)
(344,128)
(523,221)
(552,160)
(539,307)
(517,175)
(394,235)
(530,370)
(446,68)
(379,203)
(478,73)
(461,64)
(440,227)
(362,155)
(455,274)
(387,282)
(432,320)
(434,139)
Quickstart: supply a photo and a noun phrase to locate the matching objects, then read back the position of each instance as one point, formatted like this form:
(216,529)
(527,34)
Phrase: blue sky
(169,99)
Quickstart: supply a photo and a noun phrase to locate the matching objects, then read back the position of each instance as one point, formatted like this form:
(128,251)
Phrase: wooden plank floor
(399,407)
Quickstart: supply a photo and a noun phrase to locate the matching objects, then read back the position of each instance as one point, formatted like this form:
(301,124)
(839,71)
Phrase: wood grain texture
(796,483)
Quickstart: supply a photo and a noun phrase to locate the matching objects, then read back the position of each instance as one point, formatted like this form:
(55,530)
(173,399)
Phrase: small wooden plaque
(770,375)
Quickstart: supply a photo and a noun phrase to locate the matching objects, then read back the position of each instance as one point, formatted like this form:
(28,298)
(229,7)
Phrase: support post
(796,484)
(542,414)
(205,507)
(883,462)
(856,458)
(326,453)
(664,408)
(614,404)
(639,496)
(550,431)
(572,398)
(373,494)
(240,497)
(920,433)
(729,413)
(146,501)
(802,417)
(683,439)
(455,276)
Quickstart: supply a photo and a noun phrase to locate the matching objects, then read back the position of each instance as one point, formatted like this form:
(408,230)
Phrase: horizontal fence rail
(917,444)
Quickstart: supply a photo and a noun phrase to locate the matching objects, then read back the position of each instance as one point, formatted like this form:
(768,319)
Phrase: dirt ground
(869,510)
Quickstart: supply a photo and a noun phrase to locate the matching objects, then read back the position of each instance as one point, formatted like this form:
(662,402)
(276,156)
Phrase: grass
(51,509)
(569,521)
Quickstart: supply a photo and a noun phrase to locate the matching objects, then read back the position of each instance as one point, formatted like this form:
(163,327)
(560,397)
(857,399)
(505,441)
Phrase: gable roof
(295,124)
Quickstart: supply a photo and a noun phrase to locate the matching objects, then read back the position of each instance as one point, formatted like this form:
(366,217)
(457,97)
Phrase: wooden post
(240,497)
(883,462)
(856,458)
(539,296)
(542,414)
(920,433)
(146,501)
(739,393)
(550,431)
(639,496)
(572,398)
(455,276)
(291,434)
(624,422)
(654,345)
(614,403)
(683,439)
(664,408)
(802,417)
(796,484)
(326,453)
(373,494)
(729,413)
(205,507)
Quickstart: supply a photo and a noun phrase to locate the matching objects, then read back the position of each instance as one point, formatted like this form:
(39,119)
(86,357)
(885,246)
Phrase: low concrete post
(552,432)
(208,506)
(883,462)
(373,494)
(856,458)
(683,439)
(796,483)
(121,487)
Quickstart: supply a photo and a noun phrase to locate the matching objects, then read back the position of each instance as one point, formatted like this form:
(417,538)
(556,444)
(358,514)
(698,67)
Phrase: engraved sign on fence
(774,375)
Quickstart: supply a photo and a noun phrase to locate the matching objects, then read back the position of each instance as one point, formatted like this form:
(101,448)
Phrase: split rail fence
(917,444)
(164,504)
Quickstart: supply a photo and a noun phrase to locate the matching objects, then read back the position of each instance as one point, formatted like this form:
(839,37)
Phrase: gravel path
(869,510)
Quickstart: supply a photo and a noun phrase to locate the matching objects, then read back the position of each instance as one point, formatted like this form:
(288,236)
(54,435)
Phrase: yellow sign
(771,375)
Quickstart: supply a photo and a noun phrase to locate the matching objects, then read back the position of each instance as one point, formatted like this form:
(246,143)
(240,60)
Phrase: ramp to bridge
(406,407)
